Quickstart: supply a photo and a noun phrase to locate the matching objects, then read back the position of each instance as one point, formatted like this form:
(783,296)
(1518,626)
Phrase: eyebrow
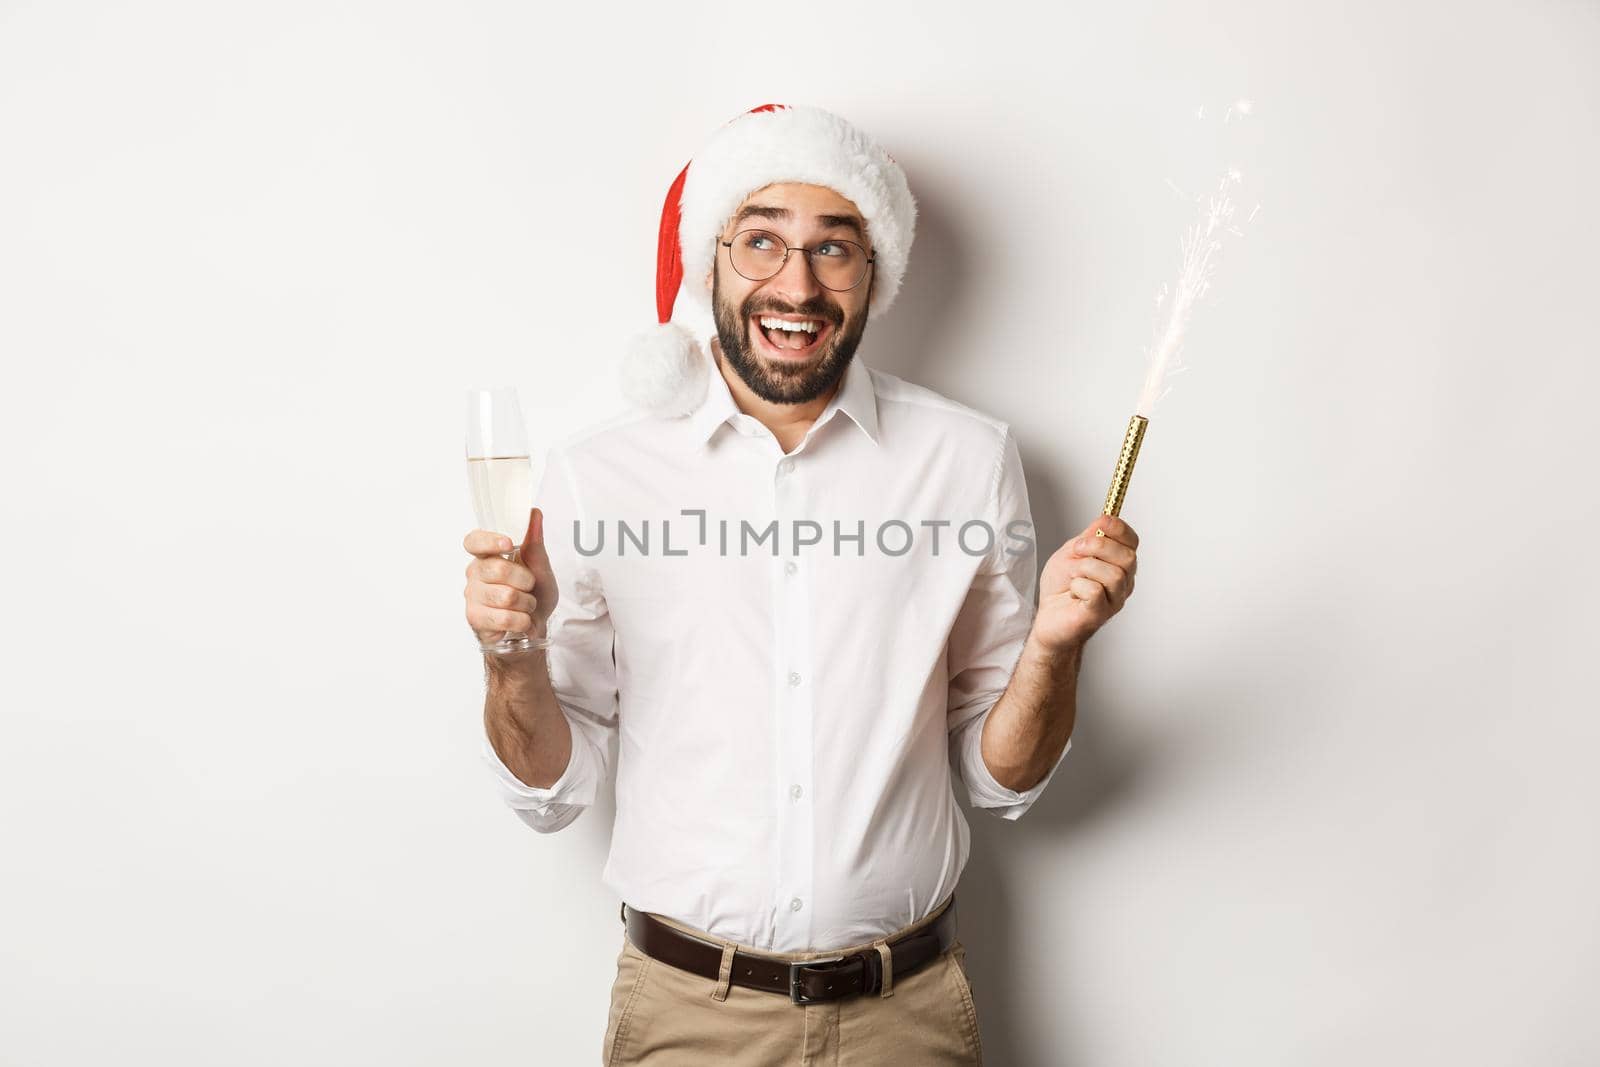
(765,211)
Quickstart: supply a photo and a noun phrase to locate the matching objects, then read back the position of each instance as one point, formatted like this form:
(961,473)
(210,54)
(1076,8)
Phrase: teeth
(809,326)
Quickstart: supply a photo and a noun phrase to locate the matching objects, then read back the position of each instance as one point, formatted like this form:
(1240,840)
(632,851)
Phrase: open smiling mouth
(787,337)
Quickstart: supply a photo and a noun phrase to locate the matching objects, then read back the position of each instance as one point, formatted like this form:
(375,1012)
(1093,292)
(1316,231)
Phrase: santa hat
(665,370)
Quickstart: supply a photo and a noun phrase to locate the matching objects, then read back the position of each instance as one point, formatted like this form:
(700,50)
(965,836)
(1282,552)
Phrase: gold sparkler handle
(1130,453)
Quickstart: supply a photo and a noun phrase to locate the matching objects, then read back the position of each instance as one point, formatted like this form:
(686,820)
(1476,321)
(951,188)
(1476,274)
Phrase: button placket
(795,711)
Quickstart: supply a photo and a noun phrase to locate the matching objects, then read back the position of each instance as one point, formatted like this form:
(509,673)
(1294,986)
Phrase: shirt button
(794,905)
(790,567)
(795,791)
(794,678)
(786,466)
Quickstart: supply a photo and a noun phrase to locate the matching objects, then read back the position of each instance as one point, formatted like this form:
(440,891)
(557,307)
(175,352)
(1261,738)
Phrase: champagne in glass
(500,474)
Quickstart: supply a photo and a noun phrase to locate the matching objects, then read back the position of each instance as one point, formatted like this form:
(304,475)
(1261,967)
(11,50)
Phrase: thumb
(537,560)
(533,553)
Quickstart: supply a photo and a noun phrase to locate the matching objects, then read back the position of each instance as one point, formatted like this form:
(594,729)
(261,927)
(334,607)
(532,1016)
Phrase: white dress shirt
(783,718)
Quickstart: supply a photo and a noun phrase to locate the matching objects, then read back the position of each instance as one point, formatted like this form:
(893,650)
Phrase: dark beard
(779,384)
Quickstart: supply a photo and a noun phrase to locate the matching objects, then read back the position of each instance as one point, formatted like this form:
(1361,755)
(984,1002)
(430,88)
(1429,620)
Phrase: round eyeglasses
(838,265)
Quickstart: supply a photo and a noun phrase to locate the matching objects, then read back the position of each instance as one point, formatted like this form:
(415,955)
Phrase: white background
(1331,797)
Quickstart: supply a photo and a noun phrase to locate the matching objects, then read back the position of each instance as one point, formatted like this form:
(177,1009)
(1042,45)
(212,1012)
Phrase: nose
(795,282)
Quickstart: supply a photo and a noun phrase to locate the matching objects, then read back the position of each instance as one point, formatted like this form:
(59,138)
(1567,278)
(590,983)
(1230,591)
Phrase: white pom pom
(665,371)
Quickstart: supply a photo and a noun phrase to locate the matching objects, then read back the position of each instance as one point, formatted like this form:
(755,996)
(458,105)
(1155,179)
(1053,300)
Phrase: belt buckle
(795,996)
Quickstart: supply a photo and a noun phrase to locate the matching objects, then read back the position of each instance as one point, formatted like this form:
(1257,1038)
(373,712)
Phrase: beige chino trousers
(662,1016)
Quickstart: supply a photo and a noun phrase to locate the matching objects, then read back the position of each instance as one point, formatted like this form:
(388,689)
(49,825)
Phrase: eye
(759,242)
(834,248)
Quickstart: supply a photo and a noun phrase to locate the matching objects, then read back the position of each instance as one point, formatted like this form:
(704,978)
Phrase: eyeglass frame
(787,248)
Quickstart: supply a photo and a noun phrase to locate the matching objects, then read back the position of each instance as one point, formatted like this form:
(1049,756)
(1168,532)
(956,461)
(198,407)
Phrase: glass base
(516,643)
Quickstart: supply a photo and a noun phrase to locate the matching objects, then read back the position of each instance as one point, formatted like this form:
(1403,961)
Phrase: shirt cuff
(521,796)
(989,794)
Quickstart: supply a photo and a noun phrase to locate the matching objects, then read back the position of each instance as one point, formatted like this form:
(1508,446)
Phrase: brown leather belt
(804,982)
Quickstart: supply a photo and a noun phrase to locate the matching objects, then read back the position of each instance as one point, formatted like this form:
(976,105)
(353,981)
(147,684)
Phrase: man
(793,591)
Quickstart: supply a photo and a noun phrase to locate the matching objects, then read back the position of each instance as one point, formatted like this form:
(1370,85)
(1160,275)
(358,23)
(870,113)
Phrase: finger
(1115,582)
(489,620)
(1112,551)
(502,596)
(1107,574)
(1115,528)
(1086,590)
(486,543)
(478,620)
(498,571)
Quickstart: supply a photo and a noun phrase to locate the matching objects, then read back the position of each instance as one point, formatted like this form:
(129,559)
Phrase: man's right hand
(505,596)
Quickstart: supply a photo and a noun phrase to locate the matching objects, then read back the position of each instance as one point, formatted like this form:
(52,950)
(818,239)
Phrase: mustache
(816,309)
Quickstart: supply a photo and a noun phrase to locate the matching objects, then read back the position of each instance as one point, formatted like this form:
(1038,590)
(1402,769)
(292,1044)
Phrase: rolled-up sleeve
(988,636)
(581,662)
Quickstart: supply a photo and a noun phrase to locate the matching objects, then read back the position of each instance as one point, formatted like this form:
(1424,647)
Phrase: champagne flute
(500,474)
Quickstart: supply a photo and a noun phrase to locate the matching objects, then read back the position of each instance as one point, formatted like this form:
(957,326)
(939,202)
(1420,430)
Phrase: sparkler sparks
(1201,247)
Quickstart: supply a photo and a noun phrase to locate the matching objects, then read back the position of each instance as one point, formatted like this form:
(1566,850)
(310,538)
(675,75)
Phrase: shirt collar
(855,397)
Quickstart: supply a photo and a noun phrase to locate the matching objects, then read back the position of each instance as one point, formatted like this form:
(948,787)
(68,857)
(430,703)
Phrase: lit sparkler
(1201,246)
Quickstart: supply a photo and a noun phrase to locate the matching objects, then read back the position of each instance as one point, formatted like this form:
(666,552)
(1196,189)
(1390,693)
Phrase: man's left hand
(1085,582)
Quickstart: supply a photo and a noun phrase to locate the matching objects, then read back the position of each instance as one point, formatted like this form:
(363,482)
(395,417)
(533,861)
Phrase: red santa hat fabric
(666,370)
